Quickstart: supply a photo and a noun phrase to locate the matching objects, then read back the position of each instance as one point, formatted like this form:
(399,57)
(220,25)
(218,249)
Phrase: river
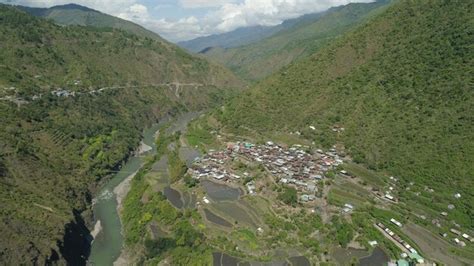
(108,243)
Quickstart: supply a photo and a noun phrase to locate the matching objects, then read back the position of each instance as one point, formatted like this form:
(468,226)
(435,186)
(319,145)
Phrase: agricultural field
(250,215)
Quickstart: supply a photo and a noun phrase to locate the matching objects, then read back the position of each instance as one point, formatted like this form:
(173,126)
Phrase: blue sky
(178,20)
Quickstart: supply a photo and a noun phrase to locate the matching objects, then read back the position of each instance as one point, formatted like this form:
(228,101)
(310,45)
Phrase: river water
(108,243)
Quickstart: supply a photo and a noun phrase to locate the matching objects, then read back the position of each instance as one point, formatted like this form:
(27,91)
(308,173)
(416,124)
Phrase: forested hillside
(401,86)
(245,35)
(73,103)
(299,39)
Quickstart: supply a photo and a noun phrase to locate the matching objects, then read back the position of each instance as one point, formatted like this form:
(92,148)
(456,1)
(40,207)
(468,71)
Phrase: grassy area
(370,177)
(340,197)
(247,237)
(199,134)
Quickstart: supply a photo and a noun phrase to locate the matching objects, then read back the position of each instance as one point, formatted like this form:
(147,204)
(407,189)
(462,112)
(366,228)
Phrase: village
(292,166)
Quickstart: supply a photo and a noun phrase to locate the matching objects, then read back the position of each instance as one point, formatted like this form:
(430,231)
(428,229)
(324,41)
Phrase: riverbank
(108,242)
(122,189)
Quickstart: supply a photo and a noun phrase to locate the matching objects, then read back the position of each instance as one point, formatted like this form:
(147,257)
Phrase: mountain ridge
(74,101)
(244,35)
(74,14)
(260,59)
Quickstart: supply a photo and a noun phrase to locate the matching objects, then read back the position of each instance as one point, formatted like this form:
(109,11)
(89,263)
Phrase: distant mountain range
(242,36)
(290,41)
(73,14)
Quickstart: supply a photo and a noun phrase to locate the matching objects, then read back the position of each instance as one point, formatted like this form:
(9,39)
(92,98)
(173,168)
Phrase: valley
(342,137)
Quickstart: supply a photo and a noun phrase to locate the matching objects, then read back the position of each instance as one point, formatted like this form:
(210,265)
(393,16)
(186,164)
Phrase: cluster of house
(411,252)
(212,165)
(63,93)
(460,234)
(291,166)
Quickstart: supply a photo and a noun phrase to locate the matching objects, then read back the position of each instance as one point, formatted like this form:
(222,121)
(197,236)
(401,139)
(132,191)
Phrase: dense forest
(57,147)
(400,85)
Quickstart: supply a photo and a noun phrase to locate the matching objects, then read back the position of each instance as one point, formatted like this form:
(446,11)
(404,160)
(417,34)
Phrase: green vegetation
(55,151)
(176,167)
(289,196)
(343,231)
(400,85)
(298,40)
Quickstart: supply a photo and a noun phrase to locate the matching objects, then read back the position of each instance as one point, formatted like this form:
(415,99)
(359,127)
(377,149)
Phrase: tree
(289,196)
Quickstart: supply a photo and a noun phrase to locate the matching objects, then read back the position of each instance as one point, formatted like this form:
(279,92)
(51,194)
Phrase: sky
(178,20)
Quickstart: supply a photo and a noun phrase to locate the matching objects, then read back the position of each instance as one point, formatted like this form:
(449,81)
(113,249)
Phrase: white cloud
(203,3)
(232,15)
(222,15)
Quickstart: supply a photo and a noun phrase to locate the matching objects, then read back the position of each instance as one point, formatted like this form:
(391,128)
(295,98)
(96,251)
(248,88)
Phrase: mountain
(400,85)
(73,14)
(238,37)
(242,36)
(73,103)
(298,39)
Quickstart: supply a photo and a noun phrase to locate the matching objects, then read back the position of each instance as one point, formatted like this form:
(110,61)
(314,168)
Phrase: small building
(402,262)
(373,243)
(389,197)
(416,257)
(454,231)
(304,198)
(397,223)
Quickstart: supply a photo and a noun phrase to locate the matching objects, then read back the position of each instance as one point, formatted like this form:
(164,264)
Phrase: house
(304,198)
(402,262)
(373,243)
(349,206)
(454,231)
(416,257)
(389,197)
(396,222)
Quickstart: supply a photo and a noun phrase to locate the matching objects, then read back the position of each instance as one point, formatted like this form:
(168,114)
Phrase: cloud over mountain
(212,16)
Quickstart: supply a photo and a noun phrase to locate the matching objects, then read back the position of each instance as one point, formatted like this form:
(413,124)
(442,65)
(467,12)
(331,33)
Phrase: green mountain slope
(73,14)
(73,103)
(402,88)
(238,37)
(243,36)
(258,60)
